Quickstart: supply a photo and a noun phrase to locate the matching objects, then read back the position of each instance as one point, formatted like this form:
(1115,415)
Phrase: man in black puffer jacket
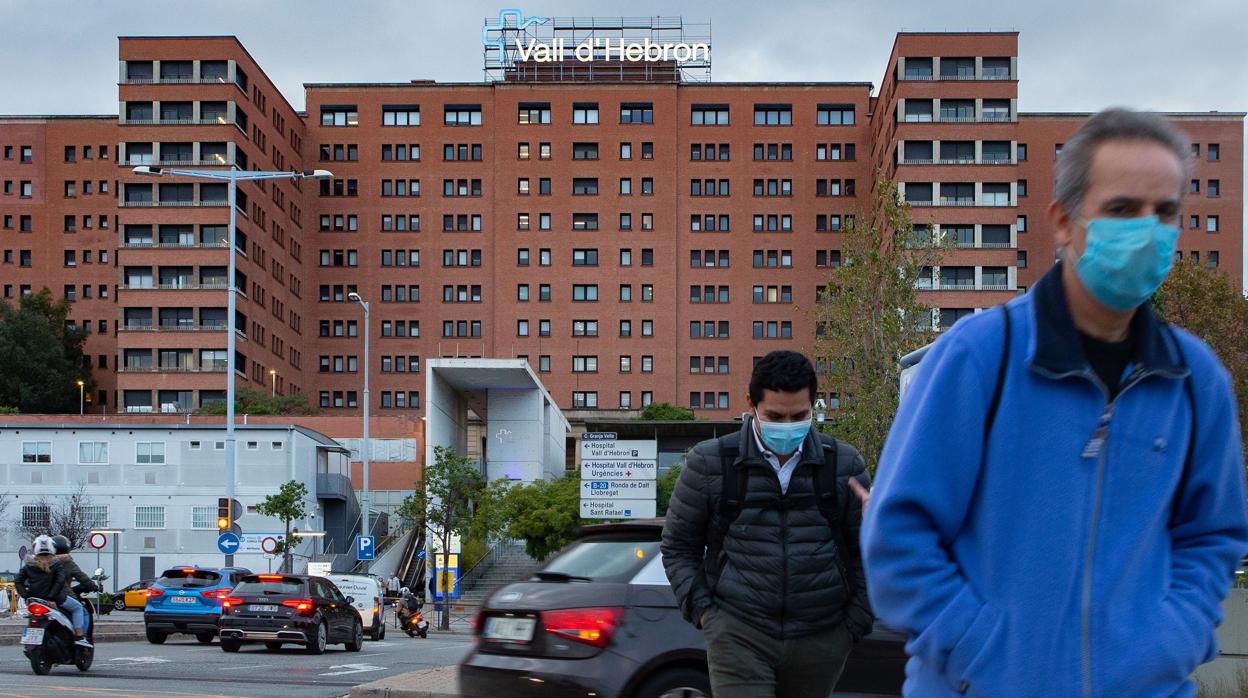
(773,579)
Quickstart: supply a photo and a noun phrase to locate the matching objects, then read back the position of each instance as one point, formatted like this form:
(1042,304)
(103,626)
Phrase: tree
(664,486)
(869,315)
(41,357)
(287,505)
(254,402)
(70,515)
(664,411)
(1204,302)
(443,501)
(545,514)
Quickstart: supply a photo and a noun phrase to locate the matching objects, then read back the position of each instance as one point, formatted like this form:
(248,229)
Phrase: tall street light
(231,177)
(81,386)
(273,380)
(368,524)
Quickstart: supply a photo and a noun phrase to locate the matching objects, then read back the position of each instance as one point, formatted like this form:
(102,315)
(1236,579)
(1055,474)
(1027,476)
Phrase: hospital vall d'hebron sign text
(644,51)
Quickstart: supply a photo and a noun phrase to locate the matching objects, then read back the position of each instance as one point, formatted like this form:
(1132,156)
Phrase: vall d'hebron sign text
(611,49)
(617,477)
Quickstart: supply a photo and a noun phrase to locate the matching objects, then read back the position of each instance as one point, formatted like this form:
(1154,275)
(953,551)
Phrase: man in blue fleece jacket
(1060,503)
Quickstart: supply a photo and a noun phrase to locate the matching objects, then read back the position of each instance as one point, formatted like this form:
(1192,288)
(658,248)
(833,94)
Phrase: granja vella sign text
(513,21)
(611,50)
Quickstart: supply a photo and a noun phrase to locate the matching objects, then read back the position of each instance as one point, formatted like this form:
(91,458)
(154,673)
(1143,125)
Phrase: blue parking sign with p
(364,549)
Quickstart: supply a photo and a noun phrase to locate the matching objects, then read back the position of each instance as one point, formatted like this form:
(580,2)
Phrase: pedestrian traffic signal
(228,511)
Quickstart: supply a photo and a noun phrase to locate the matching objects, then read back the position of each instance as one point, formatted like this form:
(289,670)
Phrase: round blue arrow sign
(228,543)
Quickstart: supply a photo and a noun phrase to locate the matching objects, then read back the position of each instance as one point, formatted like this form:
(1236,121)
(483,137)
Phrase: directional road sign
(364,548)
(618,489)
(619,470)
(617,508)
(228,543)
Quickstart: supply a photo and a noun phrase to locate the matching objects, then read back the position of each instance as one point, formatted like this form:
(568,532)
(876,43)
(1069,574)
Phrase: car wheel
(357,638)
(383,631)
(676,683)
(272,646)
(378,631)
(230,645)
(119,603)
(156,637)
(316,643)
(205,638)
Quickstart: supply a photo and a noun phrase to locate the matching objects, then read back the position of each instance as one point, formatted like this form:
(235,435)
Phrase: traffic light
(228,511)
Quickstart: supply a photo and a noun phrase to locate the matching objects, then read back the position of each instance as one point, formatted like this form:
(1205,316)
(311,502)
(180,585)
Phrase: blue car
(188,600)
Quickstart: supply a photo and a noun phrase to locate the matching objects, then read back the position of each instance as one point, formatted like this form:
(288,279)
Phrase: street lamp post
(273,379)
(231,177)
(81,386)
(368,524)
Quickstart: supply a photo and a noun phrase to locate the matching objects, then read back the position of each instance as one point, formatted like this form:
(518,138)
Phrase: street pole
(273,377)
(80,400)
(230,442)
(364,449)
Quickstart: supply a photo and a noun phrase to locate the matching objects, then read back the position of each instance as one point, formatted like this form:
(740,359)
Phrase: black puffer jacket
(779,564)
(32,581)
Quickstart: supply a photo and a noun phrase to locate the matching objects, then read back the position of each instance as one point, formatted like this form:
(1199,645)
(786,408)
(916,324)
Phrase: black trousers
(748,663)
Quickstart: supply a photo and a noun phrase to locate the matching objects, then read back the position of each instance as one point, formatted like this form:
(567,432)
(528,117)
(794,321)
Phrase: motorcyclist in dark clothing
(43,577)
(75,579)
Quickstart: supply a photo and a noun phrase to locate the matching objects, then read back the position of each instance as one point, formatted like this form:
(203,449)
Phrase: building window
(1214,152)
(36,516)
(203,518)
(585,399)
(534,113)
(93,452)
(586,113)
(636,113)
(835,115)
(400,115)
(149,452)
(339,115)
(149,517)
(1211,224)
(36,451)
(1022,259)
(1214,189)
(709,115)
(462,115)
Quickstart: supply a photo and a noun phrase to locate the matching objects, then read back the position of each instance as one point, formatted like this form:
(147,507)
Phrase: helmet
(61,543)
(405,591)
(43,545)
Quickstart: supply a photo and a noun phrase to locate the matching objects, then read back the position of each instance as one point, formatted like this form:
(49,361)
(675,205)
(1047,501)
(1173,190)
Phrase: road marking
(353,669)
(139,660)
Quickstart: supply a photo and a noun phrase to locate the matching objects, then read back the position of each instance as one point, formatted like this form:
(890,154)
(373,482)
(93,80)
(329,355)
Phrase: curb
(124,636)
(405,685)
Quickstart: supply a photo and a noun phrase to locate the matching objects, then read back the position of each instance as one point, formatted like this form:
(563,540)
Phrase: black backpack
(733,490)
(1188,388)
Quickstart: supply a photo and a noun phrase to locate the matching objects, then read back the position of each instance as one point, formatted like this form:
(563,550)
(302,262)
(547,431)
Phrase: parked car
(600,619)
(133,596)
(289,608)
(188,600)
(368,598)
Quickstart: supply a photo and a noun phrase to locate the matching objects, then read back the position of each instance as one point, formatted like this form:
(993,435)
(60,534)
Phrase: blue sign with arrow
(420,554)
(228,543)
(364,549)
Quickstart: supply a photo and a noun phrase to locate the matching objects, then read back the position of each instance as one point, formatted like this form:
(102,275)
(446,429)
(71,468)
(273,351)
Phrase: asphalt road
(183,668)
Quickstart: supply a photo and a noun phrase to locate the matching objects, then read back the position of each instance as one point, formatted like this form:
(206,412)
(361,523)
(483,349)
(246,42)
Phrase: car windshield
(603,559)
(269,587)
(188,579)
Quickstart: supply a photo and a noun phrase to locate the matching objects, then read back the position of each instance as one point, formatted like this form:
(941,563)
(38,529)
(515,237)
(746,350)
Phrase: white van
(367,596)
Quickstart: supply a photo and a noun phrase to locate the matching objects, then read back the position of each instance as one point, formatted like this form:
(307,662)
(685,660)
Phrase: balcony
(174,122)
(189,286)
(955,201)
(209,367)
(176,81)
(956,77)
(211,162)
(957,161)
(172,327)
(989,118)
(174,204)
(173,245)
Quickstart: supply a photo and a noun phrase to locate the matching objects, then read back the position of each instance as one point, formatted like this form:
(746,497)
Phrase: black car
(289,608)
(600,619)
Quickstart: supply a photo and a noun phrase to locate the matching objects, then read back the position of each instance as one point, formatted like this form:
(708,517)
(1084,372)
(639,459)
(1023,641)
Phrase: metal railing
(173,204)
(213,162)
(173,245)
(176,81)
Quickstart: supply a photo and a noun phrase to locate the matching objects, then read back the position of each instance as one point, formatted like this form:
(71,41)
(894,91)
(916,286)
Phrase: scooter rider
(408,604)
(42,577)
(76,580)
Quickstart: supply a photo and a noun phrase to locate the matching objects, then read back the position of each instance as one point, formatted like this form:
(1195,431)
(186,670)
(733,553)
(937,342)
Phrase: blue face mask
(783,438)
(1126,259)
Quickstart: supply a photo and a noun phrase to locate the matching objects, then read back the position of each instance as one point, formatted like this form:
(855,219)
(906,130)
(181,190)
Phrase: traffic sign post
(228,543)
(618,477)
(364,548)
(97,540)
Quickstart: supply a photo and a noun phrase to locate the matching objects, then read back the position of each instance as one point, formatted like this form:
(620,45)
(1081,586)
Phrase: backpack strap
(732,487)
(1001,372)
(1189,389)
(826,498)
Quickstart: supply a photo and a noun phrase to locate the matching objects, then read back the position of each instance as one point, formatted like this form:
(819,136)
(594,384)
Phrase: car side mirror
(350,599)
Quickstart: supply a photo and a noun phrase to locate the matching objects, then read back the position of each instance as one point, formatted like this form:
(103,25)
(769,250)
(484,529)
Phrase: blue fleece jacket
(1048,560)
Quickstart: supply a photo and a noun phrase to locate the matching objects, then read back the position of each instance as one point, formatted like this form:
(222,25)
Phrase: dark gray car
(600,619)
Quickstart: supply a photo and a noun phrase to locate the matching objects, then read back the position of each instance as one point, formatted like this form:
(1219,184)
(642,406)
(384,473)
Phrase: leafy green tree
(1204,302)
(869,315)
(444,501)
(664,411)
(666,483)
(255,402)
(545,514)
(41,357)
(287,505)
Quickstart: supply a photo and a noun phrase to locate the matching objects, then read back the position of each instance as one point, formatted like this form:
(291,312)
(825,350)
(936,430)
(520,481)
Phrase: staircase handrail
(480,567)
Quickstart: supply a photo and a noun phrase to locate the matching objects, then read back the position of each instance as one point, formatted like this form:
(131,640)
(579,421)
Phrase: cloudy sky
(60,56)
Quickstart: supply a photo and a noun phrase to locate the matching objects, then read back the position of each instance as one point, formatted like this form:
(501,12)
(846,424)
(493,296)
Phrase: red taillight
(38,609)
(478,622)
(270,577)
(229,602)
(592,626)
(153,591)
(216,593)
(302,606)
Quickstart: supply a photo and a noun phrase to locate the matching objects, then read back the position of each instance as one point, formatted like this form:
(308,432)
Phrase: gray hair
(1074,164)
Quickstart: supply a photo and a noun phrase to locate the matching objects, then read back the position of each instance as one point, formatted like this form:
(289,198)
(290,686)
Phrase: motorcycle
(414,623)
(48,638)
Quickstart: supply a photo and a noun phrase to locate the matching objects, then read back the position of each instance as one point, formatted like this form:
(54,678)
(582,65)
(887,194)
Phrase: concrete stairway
(510,564)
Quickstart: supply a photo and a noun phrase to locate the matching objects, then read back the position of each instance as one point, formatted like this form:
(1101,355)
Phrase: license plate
(509,629)
(32,636)
(263,608)
(182,599)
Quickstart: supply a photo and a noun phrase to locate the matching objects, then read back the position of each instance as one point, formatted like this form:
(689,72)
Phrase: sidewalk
(442,682)
(105,631)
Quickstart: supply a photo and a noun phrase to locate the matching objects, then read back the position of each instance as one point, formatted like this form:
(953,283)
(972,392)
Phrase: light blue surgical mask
(1126,259)
(782,438)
